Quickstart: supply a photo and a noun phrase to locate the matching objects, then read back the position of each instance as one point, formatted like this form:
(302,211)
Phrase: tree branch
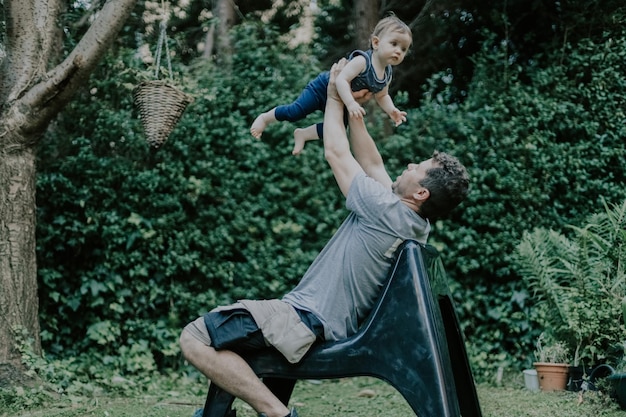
(48,97)
(30,24)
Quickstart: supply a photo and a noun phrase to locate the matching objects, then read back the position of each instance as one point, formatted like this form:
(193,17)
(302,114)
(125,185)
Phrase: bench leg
(218,403)
(281,387)
(463,380)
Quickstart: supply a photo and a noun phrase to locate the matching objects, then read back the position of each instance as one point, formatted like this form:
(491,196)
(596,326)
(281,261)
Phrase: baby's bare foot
(301,136)
(258,126)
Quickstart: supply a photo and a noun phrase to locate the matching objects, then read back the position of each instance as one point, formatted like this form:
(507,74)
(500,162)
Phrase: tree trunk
(209,42)
(31,95)
(366,15)
(225,10)
(18,270)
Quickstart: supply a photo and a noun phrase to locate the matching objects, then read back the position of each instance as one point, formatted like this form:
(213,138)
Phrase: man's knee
(186,340)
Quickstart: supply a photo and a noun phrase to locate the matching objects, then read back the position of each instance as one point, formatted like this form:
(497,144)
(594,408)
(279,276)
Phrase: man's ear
(421,195)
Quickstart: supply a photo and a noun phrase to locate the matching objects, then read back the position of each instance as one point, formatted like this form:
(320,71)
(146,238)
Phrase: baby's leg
(301,136)
(261,122)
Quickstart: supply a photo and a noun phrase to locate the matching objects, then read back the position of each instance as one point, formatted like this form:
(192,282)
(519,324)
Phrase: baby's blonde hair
(391,24)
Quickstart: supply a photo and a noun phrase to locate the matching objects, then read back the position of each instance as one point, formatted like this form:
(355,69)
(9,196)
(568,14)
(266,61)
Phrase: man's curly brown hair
(448,184)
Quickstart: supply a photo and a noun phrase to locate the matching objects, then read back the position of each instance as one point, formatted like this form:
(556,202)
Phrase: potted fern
(578,281)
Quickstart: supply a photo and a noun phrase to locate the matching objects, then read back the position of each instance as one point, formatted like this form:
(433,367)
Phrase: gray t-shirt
(343,282)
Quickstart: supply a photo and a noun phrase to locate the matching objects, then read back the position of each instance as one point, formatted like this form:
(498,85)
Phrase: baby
(369,70)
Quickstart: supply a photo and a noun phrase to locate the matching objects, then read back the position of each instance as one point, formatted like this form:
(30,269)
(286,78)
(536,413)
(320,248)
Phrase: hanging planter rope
(159,102)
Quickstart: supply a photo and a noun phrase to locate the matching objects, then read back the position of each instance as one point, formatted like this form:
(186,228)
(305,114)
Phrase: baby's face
(393,46)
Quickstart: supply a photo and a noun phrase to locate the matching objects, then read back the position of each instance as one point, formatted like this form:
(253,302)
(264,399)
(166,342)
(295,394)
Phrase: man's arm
(336,146)
(366,152)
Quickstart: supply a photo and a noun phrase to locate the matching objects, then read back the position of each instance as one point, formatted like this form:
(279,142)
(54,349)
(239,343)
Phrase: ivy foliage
(134,243)
(545,147)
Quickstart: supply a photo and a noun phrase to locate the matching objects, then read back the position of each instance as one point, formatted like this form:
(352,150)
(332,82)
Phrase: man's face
(408,183)
(362,96)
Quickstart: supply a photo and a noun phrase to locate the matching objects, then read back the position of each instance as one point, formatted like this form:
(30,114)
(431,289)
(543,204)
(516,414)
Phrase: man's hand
(331,90)
(354,108)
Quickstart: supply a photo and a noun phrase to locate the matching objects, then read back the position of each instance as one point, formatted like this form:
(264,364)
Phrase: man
(340,287)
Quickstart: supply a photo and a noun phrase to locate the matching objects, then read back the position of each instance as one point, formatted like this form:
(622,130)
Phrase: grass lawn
(357,397)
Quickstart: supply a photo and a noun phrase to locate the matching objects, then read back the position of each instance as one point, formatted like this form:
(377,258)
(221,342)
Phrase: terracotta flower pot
(552,376)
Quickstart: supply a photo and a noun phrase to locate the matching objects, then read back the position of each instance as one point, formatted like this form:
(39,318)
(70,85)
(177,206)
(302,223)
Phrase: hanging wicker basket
(160,106)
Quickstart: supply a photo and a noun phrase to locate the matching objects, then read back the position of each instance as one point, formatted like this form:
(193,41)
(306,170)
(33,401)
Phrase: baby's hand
(355,110)
(397,116)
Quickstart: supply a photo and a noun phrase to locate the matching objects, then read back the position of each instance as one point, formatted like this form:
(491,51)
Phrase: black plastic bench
(411,340)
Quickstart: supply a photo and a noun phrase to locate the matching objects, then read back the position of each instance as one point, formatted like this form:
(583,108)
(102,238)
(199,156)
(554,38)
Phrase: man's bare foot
(301,137)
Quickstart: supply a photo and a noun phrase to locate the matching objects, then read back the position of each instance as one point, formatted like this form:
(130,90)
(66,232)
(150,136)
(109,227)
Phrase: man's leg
(233,374)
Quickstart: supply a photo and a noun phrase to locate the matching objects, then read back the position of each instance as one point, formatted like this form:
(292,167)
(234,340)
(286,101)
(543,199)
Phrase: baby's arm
(386,103)
(352,69)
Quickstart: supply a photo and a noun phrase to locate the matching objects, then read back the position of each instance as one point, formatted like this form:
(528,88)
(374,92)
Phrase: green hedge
(544,143)
(134,243)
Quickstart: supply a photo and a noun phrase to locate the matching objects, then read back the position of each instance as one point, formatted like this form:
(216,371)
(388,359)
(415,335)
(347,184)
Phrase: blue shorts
(236,330)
